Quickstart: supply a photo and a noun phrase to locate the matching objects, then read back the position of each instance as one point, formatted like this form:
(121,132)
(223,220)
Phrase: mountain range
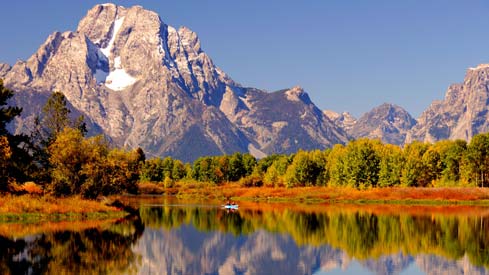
(143,83)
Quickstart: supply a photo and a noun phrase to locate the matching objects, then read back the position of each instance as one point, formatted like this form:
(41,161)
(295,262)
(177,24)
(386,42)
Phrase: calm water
(173,237)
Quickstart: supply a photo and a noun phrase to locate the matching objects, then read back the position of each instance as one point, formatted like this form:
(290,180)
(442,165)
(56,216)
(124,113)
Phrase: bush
(251,181)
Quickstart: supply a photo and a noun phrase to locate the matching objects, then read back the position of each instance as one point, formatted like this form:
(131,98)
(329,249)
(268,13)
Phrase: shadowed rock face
(461,115)
(144,83)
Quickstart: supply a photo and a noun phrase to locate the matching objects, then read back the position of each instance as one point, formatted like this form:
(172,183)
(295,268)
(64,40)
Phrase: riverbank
(394,195)
(47,208)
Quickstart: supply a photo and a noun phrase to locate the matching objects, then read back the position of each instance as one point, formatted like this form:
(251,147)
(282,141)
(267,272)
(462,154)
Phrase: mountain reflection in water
(260,239)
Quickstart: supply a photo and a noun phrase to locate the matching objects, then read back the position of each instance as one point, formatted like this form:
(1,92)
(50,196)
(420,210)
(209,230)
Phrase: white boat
(230,206)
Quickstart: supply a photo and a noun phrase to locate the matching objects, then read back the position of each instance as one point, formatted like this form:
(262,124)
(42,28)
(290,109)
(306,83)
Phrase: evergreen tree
(7,113)
(20,164)
(55,115)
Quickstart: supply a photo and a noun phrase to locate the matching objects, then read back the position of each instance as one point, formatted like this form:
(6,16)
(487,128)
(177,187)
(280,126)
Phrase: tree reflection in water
(298,242)
(89,251)
(254,240)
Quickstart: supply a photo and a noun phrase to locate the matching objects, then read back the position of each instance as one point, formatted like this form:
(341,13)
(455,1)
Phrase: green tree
(432,166)
(55,114)
(20,164)
(413,169)
(452,156)
(336,165)
(207,169)
(179,170)
(305,170)
(5,154)
(360,163)
(7,113)
(276,171)
(390,165)
(476,161)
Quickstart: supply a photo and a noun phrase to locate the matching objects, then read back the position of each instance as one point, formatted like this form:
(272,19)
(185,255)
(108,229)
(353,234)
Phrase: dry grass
(441,195)
(150,188)
(29,204)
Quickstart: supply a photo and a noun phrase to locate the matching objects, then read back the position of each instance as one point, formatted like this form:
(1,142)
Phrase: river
(188,237)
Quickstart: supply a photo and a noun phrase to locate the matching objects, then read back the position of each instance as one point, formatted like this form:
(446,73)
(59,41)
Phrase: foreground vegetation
(27,208)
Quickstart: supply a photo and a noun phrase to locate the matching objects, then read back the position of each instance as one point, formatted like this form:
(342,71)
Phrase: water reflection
(257,239)
(193,240)
(94,250)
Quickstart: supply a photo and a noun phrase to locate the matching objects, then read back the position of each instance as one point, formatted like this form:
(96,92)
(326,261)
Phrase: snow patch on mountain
(119,79)
(117,25)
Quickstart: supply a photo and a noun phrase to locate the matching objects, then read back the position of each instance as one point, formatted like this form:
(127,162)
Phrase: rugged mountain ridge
(387,122)
(463,112)
(345,120)
(146,84)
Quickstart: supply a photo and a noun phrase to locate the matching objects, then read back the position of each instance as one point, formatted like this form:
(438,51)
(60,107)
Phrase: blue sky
(348,55)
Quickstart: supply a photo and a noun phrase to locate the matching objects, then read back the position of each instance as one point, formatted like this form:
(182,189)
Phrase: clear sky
(348,55)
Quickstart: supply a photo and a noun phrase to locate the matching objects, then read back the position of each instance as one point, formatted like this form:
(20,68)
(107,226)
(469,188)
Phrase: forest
(58,156)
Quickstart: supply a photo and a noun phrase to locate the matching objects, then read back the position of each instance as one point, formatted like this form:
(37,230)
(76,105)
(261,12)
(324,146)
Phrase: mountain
(145,84)
(344,120)
(462,114)
(4,69)
(387,122)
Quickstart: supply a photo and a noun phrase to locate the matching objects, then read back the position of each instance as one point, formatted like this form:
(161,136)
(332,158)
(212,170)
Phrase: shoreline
(35,208)
(319,195)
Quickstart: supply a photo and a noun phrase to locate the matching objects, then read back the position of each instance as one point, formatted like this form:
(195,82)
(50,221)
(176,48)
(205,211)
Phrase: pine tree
(7,113)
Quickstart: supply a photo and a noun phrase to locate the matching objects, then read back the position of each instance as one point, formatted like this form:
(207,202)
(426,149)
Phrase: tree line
(361,163)
(57,155)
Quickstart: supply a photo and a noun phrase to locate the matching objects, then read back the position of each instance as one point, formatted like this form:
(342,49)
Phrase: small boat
(230,206)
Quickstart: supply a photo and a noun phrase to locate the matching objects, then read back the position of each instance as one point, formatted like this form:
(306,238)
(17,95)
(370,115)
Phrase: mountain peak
(146,84)
(479,67)
(387,122)
(345,120)
(463,112)
(189,39)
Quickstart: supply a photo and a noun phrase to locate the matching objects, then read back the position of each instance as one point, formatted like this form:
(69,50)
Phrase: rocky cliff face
(387,122)
(344,120)
(461,115)
(4,69)
(146,84)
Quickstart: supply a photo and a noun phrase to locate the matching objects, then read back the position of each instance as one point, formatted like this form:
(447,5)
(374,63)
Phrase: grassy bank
(36,208)
(395,195)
